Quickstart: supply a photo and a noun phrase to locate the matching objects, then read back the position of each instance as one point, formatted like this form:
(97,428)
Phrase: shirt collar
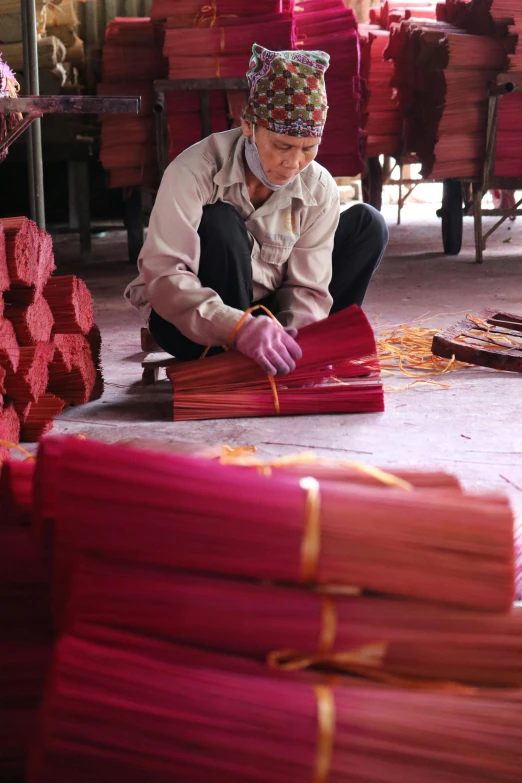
(233,172)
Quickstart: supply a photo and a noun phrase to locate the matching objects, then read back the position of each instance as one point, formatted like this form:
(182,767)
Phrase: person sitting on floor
(246,217)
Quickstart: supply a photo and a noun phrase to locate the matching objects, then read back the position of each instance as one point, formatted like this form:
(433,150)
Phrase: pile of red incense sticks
(131,62)
(342,378)
(499,19)
(49,344)
(331,27)
(381,118)
(173,651)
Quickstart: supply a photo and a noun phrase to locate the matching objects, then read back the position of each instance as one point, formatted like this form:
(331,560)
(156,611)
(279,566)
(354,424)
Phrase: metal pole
(29,136)
(31,75)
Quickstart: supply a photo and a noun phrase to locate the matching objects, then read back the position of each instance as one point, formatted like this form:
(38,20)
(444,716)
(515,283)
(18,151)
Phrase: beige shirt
(292,238)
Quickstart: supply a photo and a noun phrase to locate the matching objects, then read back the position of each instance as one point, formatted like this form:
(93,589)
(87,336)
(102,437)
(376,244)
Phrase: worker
(246,216)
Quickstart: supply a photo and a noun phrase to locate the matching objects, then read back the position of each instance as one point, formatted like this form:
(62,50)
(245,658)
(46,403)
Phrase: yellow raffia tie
(206,13)
(311,542)
(325,732)
(232,336)
(9,445)
(245,459)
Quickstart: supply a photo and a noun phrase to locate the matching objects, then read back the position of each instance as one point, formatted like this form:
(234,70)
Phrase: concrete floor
(473,429)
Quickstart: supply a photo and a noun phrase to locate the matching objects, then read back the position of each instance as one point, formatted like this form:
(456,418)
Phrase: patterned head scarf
(287,91)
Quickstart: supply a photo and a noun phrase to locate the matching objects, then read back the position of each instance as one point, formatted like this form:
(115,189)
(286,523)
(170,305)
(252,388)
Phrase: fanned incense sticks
(116,712)
(9,349)
(38,417)
(71,304)
(32,323)
(31,378)
(16,492)
(436,546)
(229,385)
(22,242)
(72,373)
(298,629)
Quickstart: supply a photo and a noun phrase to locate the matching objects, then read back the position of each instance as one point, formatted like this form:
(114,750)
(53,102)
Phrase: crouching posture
(247,217)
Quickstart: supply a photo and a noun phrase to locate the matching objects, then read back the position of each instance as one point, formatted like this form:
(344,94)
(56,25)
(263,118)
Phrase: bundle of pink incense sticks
(118,709)
(240,523)
(298,629)
(43,318)
(343,378)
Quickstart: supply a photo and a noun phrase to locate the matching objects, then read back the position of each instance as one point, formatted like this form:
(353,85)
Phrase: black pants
(225,266)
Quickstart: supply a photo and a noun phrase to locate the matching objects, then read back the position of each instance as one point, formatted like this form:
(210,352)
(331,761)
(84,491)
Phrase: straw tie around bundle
(71,304)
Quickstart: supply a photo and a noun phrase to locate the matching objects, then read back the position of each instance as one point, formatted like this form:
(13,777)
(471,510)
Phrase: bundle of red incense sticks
(229,385)
(501,20)
(49,345)
(119,709)
(131,61)
(280,527)
(224,49)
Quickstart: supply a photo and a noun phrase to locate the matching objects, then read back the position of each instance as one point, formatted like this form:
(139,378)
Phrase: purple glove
(274,349)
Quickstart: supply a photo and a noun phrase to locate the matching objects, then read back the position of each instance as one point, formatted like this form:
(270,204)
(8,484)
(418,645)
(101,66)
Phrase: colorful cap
(287,91)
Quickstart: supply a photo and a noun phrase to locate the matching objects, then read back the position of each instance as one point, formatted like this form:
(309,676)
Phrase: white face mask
(256,167)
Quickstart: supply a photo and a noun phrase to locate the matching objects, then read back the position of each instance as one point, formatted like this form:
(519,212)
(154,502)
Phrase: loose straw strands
(406,350)
(206,722)
(429,545)
(308,628)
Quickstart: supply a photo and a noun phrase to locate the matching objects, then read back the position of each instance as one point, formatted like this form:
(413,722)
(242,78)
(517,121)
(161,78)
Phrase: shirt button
(255,256)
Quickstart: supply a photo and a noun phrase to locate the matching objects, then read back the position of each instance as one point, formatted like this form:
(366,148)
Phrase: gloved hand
(273,348)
